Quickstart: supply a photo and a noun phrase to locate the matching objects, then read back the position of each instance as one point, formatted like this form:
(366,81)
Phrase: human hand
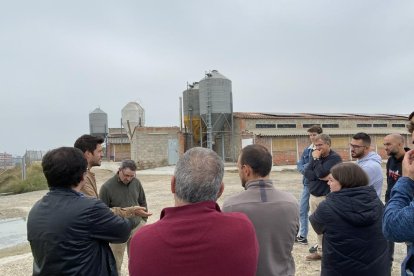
(141,211)
(408,164)
(316,153)
(326,178)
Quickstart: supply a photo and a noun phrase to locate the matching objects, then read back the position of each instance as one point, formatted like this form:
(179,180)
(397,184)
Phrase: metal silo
(133,115)
(98,123)
(192,119)
(216,104)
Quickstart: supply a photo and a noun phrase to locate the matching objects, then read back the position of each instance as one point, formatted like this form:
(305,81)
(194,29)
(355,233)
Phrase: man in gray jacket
(368,160)
(274,213)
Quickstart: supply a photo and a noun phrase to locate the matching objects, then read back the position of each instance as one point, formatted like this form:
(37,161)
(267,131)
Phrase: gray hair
(324,137)
(130,164)
(198,175)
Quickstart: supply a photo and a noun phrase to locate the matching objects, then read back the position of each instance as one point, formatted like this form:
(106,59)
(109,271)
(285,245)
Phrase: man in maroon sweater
(195,237)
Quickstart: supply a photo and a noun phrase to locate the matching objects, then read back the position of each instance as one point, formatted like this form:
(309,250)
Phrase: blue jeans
(303,212)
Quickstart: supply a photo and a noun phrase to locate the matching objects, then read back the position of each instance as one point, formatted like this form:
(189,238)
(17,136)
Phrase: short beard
(356,156)
(392,154)
(243,182)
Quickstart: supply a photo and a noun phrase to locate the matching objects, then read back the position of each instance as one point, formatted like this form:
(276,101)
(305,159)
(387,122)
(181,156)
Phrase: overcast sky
(59,60)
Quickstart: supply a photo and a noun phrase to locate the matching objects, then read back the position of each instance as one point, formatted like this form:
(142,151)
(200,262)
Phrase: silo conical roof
(98,110)
(98,122)
(215,75)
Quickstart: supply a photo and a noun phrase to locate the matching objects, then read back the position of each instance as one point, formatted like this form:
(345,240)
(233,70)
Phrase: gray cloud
(59,61)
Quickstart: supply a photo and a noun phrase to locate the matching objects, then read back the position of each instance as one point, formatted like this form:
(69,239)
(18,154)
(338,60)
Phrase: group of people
(356,234)
(76,230)
(73,227)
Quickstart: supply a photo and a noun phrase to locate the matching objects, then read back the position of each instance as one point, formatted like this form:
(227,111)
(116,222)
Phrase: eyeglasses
(127,175)
(356,146)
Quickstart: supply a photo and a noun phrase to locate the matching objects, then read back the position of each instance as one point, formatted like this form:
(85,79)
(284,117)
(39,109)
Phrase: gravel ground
(17,260)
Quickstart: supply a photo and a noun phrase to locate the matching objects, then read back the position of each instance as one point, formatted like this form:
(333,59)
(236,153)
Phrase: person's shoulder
(91,201)
(235,218)
(285,196)
(334,154)
(235,222)
(147,232)
(36,206)
(327,204)
(403,183)
(111,181)
(136,182)
(375,157)
(234,199)
(148,229)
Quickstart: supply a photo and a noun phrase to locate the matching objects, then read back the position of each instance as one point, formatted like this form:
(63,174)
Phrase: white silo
(133,115)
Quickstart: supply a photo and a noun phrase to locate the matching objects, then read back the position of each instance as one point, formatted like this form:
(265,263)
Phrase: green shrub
(11,181)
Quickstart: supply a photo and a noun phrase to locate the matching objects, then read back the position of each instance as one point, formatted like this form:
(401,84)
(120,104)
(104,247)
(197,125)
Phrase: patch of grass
(11,181)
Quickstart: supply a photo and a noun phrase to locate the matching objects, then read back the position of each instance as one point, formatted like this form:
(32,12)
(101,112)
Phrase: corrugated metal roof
(258,115)
(118,140)
(329,131)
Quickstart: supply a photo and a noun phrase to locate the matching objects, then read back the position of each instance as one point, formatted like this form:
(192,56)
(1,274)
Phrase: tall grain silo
(133,115)
(192,118)
(216,105)
(98,123)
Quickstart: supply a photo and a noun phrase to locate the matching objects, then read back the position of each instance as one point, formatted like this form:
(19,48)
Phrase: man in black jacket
(394,146)
(68,232)
(323,159)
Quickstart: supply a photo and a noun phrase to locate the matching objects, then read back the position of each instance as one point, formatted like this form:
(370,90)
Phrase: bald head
(396,137)
(394,145)
(410,126)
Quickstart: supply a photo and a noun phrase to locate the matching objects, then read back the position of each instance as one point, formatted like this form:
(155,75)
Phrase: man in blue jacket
(302,164)
(398,220)
(69,232)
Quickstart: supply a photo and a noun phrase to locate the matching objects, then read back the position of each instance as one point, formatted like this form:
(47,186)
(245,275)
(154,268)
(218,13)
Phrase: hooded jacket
(353,244)
(371,164)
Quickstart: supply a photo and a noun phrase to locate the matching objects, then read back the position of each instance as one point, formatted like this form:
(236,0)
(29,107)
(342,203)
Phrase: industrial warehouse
(207,120)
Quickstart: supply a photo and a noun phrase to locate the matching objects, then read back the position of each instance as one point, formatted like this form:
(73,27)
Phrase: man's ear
(247,171)
(221,190)
(173,184)
(86,154)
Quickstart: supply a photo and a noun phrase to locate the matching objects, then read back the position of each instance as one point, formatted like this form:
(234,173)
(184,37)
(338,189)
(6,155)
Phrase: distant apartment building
(6,160)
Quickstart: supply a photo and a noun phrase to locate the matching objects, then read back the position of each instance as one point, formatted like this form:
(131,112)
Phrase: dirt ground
(17,260)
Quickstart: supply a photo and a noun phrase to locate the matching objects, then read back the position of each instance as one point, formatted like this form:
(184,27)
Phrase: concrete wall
(149,147)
